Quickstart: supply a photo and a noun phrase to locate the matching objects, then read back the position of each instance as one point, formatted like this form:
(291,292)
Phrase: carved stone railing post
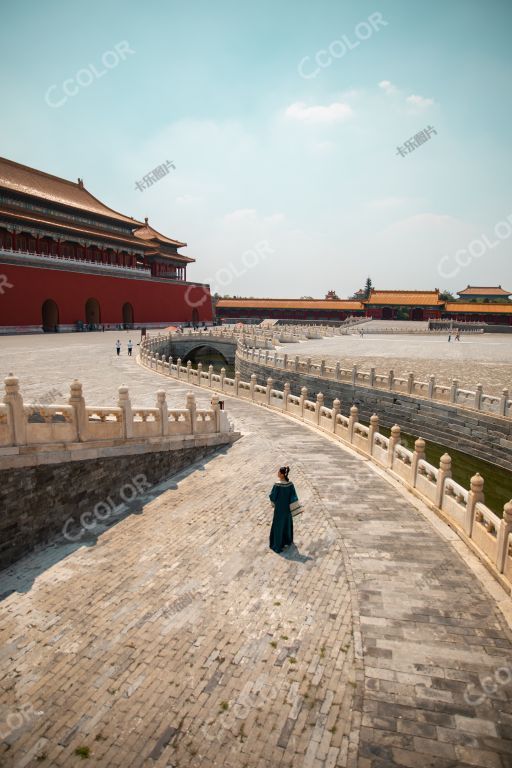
(302,398)
(157,362)
(475,496)
(319,406)
(189,366)
(391,379)
(453,390)
(374,427)
(216,410)
(445,470)
(266,357)
(296,363)
(410,383)
(178,366)
(337,370)
(322,367)
(76,399)
(308,365)
(222,377)
(14,400)
(199,374)
(393,440)
(191,407)
(252,385)
(431,385)
(286,395)
(503,533)
(237,382)
(419,453)
(285,361)
(126,406)
(161,404)
(353,417)
(354,374)
(210,374)
(267,393)
(478,397)
(170,366)
(504,402)
(371,380)
(336,409)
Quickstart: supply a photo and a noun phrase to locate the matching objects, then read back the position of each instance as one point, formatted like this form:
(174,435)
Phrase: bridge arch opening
(50,315)
(206,355)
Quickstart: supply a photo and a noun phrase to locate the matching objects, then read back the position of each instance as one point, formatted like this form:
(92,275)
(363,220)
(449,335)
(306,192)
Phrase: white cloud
(337,112)
(242,214)
(419,101)
(387,86)
(188,199)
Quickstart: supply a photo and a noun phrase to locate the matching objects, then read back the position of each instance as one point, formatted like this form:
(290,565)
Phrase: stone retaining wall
(72,498)
(482,435)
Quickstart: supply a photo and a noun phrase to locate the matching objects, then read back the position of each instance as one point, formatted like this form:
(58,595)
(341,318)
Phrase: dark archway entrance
(50,315)
(417,314)
(127,314)
(195,317)
(92,312)
(207,356)
(387,313)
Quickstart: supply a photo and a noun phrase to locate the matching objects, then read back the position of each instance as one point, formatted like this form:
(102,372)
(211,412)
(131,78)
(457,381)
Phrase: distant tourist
(449,337)
(457,336)
(118,347)
(282,496)
(130,347)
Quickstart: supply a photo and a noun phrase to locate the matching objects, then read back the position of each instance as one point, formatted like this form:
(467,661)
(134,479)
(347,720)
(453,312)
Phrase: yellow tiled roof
(328,304)
(491,309)
(404,298)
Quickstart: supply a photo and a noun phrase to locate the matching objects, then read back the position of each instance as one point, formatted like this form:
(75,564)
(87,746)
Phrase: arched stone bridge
(190,346)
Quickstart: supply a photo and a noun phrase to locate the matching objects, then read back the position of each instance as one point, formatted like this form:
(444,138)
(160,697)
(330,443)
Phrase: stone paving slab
(176,638)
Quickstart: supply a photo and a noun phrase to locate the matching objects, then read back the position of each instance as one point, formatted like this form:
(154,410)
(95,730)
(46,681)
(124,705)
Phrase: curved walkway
(178,639)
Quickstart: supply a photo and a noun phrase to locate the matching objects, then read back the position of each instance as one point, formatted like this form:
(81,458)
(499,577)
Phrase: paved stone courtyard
(174,637)
(476,359)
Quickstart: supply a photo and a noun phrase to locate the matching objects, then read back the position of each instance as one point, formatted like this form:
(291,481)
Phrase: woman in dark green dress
(282,495)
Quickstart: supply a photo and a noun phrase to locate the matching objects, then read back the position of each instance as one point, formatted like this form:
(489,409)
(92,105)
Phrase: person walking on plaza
(457,336)
(130,347)
(282,496)
(118,347)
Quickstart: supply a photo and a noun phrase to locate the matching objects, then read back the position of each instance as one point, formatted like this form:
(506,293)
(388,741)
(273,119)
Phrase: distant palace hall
(67,260)
(482,305)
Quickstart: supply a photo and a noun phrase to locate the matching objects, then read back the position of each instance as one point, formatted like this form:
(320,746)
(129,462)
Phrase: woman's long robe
(281,532)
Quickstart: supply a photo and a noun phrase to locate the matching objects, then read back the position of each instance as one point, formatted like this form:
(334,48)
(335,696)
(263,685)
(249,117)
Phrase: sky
(314,142)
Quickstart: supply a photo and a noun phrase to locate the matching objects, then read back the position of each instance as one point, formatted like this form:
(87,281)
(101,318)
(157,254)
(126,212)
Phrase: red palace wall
(23,290)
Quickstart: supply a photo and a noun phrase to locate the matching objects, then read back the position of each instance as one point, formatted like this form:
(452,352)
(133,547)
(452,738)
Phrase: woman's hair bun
(284,471)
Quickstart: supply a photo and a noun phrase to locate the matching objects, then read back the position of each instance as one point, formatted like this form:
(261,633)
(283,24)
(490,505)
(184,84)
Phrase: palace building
(380,305)
(67,260)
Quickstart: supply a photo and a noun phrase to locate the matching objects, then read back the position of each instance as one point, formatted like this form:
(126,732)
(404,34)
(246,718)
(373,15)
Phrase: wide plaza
(174,637)
(476,359)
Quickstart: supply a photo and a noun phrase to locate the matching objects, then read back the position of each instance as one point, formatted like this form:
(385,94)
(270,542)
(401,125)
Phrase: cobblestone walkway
(176,638)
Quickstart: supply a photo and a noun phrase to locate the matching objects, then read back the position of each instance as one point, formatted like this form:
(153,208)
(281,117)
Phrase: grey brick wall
(35,502)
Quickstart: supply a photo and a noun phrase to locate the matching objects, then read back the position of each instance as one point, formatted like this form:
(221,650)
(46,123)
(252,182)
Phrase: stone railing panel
(507,571)
(454,501)
(380,448)
(426,479)
(485,531)
(50,424)
(402,463)
(360,437)
(104,423)
(146,422)
(342,427)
